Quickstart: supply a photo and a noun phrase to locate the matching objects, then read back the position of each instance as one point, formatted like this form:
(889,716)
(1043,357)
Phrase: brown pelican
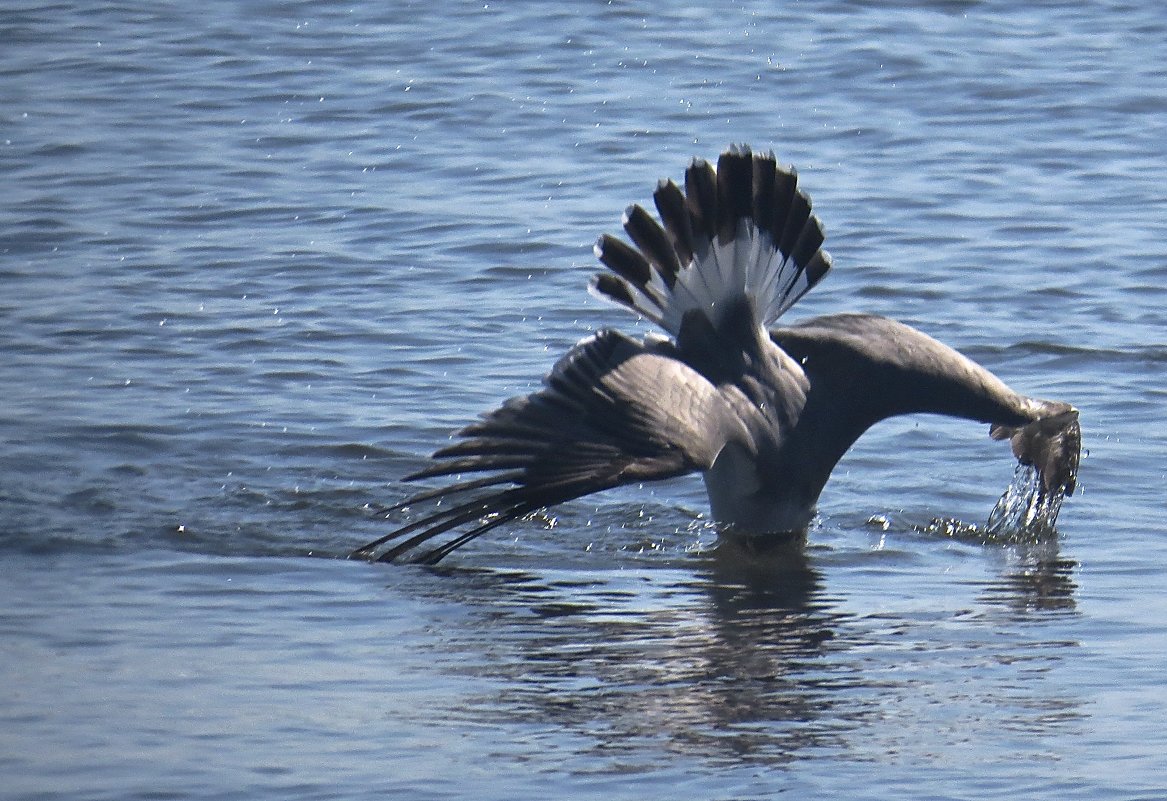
(763,413)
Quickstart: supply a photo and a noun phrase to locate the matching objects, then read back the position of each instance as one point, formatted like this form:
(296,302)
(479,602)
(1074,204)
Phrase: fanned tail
(744,229)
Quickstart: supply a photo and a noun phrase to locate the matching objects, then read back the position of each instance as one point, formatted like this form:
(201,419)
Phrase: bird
(762,412)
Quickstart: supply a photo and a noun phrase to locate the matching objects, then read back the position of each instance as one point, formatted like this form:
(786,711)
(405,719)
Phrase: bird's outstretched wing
(864,368)
(613,411)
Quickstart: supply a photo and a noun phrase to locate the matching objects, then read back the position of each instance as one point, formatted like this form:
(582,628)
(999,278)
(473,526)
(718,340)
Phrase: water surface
(258,260)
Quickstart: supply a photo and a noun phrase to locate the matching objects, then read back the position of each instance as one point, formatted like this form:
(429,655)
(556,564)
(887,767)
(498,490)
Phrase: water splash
(1026,508)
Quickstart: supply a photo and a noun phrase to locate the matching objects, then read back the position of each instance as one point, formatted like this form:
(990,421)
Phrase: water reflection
(742,652)
(749,573)
(723,655)
(1037,579)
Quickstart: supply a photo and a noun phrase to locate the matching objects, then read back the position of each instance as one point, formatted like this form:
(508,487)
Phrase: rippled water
(258,260)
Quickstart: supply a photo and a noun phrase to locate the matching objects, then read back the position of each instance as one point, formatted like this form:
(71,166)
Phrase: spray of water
(1025,509)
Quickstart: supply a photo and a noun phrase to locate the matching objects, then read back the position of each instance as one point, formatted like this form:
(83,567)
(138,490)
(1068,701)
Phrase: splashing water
(1025,508)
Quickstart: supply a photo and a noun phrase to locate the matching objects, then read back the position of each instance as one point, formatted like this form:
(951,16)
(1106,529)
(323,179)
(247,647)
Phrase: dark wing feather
(613,411)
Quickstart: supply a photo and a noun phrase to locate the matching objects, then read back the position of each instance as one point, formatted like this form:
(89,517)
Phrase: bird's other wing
(613,411)
(864,368)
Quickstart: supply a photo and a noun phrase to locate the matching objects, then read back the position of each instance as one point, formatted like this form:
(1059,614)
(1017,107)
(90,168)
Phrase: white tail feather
(746,240)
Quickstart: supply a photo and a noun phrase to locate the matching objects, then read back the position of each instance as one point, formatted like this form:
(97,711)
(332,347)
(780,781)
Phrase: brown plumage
(763,413)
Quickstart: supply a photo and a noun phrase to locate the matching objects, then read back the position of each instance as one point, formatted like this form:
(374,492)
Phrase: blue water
(257,260)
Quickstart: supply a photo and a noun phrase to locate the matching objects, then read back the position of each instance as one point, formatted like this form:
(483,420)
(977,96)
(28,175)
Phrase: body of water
(257,260)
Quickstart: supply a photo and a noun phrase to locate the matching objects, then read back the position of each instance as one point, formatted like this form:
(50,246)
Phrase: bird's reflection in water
(736,652)
(718,653)
(748,572)
(1036,579)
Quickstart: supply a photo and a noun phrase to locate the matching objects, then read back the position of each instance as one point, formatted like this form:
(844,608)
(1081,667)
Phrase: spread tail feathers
(742,229)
